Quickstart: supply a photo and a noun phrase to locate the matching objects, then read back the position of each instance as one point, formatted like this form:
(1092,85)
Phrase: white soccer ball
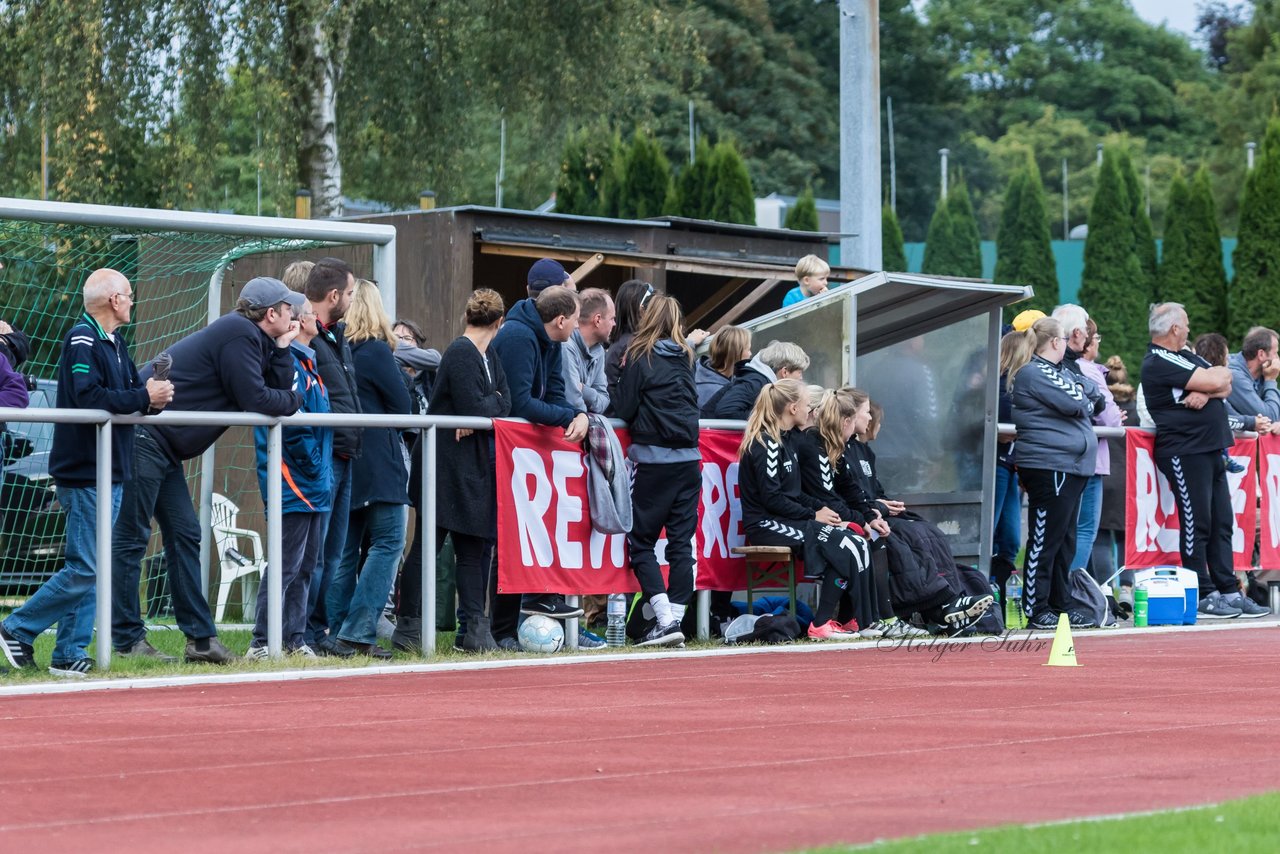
(541,634)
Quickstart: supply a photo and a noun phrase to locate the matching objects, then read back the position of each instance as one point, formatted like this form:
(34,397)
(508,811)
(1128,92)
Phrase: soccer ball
(541,634)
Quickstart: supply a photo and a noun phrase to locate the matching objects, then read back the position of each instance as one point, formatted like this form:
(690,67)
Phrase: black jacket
(736,400)
(381,477)
(862,467)
(465,469)
(336,367)
(769,484)
(831,483)
(658,399)
(94,372)
(229,366)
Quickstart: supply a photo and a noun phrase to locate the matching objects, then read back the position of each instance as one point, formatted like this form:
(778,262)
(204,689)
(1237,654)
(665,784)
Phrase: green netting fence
(175,276)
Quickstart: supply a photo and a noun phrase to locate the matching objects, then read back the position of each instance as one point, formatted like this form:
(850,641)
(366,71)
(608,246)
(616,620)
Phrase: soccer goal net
(186,269)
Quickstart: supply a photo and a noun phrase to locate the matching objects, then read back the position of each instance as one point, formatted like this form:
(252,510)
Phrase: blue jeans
(70,597)
(354,605)
(333,530)
(300,543)
(1008,533)
(158,489)
(1087,525)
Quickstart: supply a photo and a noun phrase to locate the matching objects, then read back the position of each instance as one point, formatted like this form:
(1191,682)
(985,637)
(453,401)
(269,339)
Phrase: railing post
(427,518)
(274,454)
(102,559)
(207,462)
(704,614)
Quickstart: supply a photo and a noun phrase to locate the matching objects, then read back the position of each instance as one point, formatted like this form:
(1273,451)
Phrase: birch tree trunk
(320,164)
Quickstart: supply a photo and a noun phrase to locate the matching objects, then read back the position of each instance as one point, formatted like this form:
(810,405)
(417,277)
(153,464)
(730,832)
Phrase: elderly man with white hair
(1185,395)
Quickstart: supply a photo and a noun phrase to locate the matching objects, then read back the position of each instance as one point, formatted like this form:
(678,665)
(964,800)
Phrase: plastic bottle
(1140,605)
(1013,616)
(616,633)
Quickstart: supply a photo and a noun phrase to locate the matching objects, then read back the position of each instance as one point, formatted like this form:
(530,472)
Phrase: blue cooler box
(1166,601)
(1184,578)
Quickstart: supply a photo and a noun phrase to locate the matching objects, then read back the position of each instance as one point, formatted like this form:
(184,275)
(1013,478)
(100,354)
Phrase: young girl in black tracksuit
(657,397)
(776,511)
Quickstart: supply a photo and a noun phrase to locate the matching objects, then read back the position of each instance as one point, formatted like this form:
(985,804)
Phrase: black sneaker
(1045,621)
(1078,620)
(1233,466)
(347,649)
(509,645)
(19,655)
(667,635)
(553,607)
(78,669)
(966,610)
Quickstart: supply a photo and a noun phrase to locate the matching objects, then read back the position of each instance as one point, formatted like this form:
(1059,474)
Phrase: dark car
(32,524)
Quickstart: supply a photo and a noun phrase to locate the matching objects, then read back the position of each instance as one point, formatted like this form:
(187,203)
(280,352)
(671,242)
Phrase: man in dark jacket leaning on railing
(238,363)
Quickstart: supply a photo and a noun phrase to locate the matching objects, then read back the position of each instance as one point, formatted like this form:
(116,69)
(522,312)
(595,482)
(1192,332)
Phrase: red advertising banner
(545,539)
(1269,478)
(1151,516)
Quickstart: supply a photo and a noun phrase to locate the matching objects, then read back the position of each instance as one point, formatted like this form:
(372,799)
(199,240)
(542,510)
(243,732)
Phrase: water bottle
(616,633)
(1013,617)
(1141,606)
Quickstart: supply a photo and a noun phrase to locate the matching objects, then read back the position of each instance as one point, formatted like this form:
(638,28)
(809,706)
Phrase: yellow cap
(1027,319)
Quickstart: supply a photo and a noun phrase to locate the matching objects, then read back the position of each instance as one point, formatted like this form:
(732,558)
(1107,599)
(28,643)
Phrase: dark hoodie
(657,399)
(709,381)
(531,361)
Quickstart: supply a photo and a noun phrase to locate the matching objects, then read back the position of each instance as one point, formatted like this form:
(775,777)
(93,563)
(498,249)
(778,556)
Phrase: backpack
(1088,598)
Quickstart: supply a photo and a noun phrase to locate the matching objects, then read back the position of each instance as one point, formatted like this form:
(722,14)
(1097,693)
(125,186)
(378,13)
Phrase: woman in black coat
(379,483)
(470,381)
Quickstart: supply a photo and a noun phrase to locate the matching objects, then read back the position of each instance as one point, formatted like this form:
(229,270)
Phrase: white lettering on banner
(1154,502)
(616,543)
(1235,483)
(1271,483)
(720,500)
(567,465)
(535,542)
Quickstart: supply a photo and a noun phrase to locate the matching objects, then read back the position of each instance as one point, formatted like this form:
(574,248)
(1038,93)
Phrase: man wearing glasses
(238,363)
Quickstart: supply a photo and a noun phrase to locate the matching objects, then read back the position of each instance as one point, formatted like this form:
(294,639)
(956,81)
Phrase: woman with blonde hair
(777,512)
(730,346)
(379,487)
(1057,452)
(657,398)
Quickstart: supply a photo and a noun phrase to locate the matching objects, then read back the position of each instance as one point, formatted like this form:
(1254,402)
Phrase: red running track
(769,752)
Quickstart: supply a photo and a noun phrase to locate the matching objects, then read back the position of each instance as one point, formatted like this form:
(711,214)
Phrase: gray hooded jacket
(1052,411)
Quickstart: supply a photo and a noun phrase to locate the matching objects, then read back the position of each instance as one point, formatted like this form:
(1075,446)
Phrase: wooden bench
(769,568)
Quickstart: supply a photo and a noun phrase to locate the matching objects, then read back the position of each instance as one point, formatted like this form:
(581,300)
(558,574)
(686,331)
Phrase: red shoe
(851,627)
(830,630)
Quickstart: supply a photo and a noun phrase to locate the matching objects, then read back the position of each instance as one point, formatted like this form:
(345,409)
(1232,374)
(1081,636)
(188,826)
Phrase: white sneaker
(902,629)
(304,651)
(257,653)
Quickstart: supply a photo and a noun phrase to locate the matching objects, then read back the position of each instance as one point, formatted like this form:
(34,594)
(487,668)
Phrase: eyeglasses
(408,338)
(129,297)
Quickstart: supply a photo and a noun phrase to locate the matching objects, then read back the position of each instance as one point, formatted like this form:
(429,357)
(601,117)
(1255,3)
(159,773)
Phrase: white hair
(100,286)
(1163,316)
(1072,317)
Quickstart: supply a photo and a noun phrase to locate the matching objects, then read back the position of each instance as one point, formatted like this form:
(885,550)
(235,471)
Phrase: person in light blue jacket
(306,474)
(1254,397)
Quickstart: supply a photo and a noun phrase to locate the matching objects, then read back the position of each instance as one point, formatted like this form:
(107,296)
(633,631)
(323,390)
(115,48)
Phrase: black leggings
(1053,506)
(847,565)
(669,498)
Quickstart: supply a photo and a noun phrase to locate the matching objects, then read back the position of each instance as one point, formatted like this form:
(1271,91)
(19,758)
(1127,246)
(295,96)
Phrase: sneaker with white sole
(304,651)
(20,655)
(257,653)
(900,628)
(590,642)
(1079,620)
(1249,609)
(78,669)
(668,635)
(1214,607)
(830,630)
(965,610)
(875,630)
(1045,621)
(551,606)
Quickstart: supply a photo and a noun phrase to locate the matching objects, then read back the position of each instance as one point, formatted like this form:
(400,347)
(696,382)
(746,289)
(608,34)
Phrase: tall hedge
(1175,282)
(940,256)
(803,215)
(894,253)
(732,199)
(590,172)
(693,188)
(1191,269)
(1144,237)
(1254,296)
(1024,248)
(1114,287)
(646,181)
(964,231)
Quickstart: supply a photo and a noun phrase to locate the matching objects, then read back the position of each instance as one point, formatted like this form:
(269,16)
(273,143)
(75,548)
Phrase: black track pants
(1053,506)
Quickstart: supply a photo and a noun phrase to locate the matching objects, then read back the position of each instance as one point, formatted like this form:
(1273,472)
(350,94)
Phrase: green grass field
(1240,827)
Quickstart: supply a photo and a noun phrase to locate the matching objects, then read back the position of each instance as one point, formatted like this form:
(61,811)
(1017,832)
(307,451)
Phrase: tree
(1175,282)
(732,199)
(1191,269)
(1254,297)
(1024,250)
(964,231)
(894,253)
(803,215)
(589,172)
(693,195)
(1144,240)
(1113,288)
(940,255)
(646,179)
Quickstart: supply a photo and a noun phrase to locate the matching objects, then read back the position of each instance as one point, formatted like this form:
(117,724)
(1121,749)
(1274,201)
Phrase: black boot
(478,637)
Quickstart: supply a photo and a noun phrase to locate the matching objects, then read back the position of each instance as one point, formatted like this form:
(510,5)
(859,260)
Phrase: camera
(32,383)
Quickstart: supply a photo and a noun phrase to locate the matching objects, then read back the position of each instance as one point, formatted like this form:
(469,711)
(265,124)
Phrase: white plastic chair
(233,562)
